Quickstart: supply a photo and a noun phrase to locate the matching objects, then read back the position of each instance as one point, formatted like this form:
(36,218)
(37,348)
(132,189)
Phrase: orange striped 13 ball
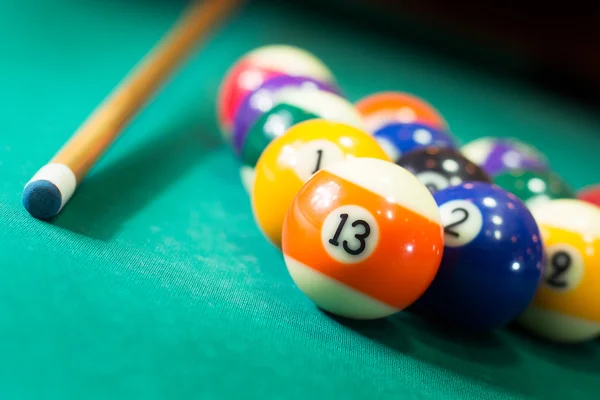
(363,238)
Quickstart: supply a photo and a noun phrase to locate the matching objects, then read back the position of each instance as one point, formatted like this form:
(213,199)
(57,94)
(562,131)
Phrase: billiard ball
(293,105)
(566,307)
(492,262)
(384,108)
(323,103)
(590,194)
(264,98)
(258,65)
(362,239)
(438,167)
(533,186)
(398,139)
(269,126)
(290,160)
(497,155)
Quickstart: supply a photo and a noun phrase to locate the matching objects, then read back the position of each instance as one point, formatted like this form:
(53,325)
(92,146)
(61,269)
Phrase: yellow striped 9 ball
(566,307)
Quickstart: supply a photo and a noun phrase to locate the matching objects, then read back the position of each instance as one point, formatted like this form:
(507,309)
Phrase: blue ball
(398,139)
(492,263)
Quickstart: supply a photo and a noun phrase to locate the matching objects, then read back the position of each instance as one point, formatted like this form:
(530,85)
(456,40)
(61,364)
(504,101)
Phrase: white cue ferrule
(61,176)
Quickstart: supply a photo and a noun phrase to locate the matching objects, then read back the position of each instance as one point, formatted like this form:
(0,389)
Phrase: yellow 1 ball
(291,160)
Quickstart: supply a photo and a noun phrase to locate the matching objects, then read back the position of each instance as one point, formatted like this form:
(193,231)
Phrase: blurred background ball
(255,67)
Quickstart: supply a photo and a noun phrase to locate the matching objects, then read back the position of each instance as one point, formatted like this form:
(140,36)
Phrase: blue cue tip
(42,199)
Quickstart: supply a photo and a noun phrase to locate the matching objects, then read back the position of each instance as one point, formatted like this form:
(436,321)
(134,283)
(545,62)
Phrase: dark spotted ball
(439,168)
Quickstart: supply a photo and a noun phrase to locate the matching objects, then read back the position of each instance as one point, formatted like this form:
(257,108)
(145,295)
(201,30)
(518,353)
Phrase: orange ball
(384,108)
(363,238)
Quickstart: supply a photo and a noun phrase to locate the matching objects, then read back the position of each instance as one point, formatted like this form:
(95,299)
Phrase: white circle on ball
(536,185)
(564,267)
(434,181)
(261,100)
(422,136)
(462,221)
(313,156)
(450,165)
(350,234)
(512,159)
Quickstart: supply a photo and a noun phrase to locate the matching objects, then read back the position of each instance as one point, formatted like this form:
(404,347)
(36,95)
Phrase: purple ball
(262,100)
(498,155)
(496,161)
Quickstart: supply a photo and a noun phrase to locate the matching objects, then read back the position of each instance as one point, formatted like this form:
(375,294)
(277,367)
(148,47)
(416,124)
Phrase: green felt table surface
(154,281)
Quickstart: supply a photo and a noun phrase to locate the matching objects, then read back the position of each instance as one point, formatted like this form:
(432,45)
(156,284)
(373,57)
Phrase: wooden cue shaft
(97,133)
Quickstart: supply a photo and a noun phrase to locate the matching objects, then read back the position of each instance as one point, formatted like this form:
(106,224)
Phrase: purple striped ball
(498,155)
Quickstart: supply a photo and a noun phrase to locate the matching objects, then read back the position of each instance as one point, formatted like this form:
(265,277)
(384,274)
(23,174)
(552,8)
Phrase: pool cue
(53,185)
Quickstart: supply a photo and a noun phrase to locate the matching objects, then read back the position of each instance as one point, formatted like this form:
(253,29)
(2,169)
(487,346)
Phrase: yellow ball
(566,307)
(291,160)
